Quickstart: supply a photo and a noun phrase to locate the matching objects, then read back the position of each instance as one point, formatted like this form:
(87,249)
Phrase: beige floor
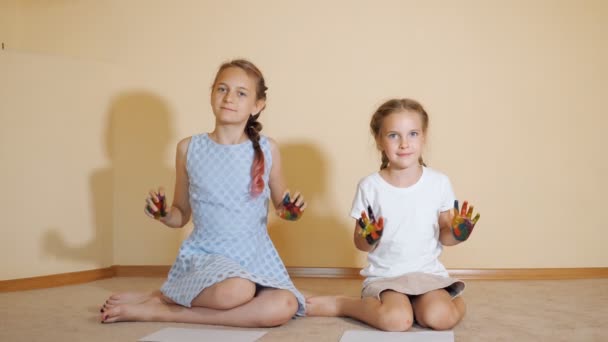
(573,310)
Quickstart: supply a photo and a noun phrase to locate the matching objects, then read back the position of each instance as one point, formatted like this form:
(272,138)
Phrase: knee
(394,319)
(233,292)
(442,317)
(279,311)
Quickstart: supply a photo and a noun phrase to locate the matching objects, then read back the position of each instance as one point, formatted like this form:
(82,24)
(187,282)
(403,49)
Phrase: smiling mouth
(230,109)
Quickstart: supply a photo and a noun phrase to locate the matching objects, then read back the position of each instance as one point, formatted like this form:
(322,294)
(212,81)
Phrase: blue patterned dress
(230,238)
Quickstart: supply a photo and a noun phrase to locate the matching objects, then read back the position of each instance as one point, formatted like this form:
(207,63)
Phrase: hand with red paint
(371,229)
(291,210)
(156,204)
(462,224)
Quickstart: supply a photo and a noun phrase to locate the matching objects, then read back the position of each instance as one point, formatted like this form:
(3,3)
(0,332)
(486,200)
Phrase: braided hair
(253,127)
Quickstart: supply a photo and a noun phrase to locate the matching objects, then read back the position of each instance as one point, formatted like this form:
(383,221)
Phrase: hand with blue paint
(462,224)
(289,209)
(371,229)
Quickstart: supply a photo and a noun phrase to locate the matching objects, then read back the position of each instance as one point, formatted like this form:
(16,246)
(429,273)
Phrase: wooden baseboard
(530,273)
(56,280)
(156,271)
(300,272)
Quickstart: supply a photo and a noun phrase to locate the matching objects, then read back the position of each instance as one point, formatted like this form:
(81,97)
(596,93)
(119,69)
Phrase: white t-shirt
(410,240)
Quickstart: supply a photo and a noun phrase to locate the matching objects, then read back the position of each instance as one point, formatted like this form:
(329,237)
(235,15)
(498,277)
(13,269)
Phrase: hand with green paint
(462,224)
(291,210)
(371,229)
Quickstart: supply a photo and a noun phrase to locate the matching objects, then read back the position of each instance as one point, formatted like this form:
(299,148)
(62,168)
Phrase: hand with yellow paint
(371,229)
(289,209)
(462,224)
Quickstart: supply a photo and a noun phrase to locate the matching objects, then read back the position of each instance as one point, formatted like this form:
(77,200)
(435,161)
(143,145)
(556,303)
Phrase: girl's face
(402,139)
(234,97)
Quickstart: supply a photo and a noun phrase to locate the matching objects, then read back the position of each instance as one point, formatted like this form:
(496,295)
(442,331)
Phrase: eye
(393,135)
(242,94)
(414,134)
(221,89)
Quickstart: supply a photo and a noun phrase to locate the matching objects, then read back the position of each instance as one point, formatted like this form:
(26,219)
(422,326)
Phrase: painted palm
(161,206)
(371,229)
(462,223)
(288,210)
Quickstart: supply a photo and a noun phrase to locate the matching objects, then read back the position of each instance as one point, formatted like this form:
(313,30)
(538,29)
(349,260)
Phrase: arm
(276,181)
(287,207)
(179,213)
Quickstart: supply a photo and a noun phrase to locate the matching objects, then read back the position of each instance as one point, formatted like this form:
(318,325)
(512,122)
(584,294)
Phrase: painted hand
(291,210)
(156,204)
(462,224)
(371,229)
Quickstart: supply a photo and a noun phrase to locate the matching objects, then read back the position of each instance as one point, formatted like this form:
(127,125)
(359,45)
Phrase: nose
(403,143)
(228,97)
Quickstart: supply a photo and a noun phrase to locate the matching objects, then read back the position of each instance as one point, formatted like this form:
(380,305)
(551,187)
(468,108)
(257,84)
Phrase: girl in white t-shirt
(404,214)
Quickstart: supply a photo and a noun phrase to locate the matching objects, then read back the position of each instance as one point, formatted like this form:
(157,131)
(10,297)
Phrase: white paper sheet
(412,336)
(197,335)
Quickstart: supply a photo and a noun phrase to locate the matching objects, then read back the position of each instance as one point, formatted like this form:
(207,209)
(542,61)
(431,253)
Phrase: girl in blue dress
(227,271)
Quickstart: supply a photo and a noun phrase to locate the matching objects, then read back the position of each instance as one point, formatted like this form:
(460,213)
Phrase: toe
(110,315)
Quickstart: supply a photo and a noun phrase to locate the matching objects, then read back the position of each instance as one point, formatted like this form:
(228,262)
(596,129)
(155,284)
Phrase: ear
(259,106)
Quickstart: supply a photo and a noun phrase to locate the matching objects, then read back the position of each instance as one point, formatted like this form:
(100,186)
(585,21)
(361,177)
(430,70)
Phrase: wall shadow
(323,236)
(136,138)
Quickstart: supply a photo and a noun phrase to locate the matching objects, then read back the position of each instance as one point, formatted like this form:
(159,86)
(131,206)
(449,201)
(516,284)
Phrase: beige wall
(8,22)
(95,95)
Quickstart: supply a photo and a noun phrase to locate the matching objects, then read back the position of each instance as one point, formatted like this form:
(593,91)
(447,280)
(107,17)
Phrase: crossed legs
(232,302)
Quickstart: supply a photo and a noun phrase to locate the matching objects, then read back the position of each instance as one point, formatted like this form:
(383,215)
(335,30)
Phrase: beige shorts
(413,284)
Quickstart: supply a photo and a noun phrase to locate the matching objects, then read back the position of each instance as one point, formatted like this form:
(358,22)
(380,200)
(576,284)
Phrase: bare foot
(151,310)
(127,298)
(323,306)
